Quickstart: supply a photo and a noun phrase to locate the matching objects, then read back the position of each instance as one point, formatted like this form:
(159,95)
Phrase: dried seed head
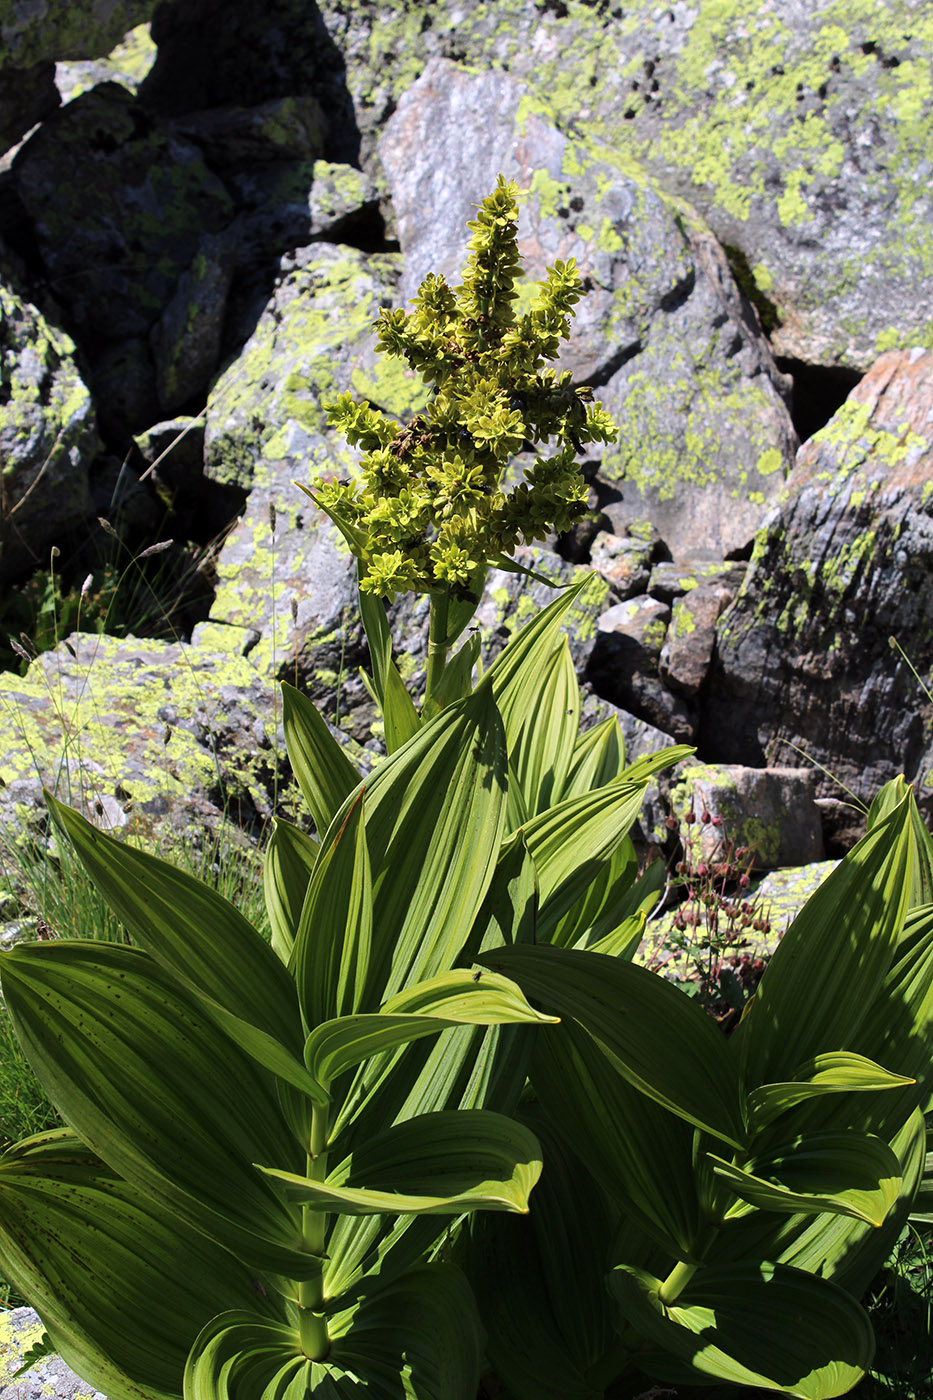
(86,585)
(156,548)
(107,528)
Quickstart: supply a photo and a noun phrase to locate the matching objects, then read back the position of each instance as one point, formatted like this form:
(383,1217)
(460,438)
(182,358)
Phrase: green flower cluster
(428,511)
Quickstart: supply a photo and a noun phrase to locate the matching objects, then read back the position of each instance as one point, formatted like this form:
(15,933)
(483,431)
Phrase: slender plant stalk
(437,645)
(312,1324)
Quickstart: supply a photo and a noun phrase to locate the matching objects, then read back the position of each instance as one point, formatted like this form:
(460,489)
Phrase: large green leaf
(885,802)
(286,871)
(324,773)
(436,1164)
(190,929)
(598,757)
(542,753)
(145,1076)
(572,842)
(331,955)
(837,1072)
(829,966)
(689,1069)
(509,913)
(517,671)
(124,1285)
(540,1283)
(842,1173)
(846,1251)
(602,907)
(757,1325)
(434,813)
(641,1154)
(418,1339)
(398,710)
(456,998)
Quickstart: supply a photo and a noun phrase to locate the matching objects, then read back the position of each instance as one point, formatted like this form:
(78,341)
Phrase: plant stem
(312,1325)
(437,647)
(676,1281)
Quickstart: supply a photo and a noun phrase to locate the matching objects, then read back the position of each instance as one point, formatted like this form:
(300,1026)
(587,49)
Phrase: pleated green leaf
(601,908)
(829,966)
(509,913)
(189,928)
(436,1164)
(842,1173)
(844,1250)
(418,1339)
(623,942)
(641,1154)
(598,758)
(398,710)
(689,1069)
(125,1285)
(544,748)
(756,1325)
(434,813)
(885,802)
(539,1282)
(517,671)
(572,842)
(837,1072)
(652,763)
(324,773)
(456,998)
(145,1076)
(331,956)
(286,872)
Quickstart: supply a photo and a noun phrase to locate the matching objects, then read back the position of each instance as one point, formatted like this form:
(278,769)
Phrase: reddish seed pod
(702,869)
(717,820)
(705,817)
(689,817)
(743,882)
(671,823)
(679,867)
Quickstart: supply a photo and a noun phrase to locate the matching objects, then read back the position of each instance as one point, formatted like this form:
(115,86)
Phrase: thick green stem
(312,1324)
(676,1281)
(437,647)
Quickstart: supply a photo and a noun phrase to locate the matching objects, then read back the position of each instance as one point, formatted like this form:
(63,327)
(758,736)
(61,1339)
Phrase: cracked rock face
(48,436)
(842,568)
(664,333)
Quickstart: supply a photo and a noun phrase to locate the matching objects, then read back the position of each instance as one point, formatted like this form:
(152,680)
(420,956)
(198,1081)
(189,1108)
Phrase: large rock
(801,131)
(48,436)
(664,333)
(20,1331)
(843,567)
(129,221)
(153,737)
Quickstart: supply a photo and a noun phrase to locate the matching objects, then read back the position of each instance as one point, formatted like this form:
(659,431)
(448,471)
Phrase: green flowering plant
(430,511)
(297,1171)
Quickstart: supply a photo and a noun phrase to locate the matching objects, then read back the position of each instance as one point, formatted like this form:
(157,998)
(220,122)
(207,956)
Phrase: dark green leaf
(125,1285)
(757,1325)
(160,1093)
(189,929)
(829,966)
(689,1069)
